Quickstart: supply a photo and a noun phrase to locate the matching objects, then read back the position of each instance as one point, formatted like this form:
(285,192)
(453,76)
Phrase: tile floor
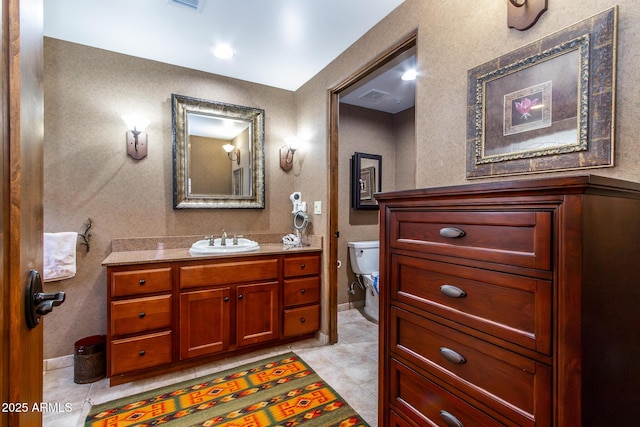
(350,367)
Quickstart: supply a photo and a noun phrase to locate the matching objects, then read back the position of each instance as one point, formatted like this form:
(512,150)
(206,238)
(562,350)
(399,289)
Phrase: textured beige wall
(454,37)
(88,174)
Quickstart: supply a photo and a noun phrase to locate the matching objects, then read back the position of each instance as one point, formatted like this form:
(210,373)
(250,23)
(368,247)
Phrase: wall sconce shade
(136,138)
(523,14)
(286,157)
(136,144)
(232,152)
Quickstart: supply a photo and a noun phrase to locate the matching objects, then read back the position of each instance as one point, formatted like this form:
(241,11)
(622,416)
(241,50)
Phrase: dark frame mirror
(205,175)
(366,180)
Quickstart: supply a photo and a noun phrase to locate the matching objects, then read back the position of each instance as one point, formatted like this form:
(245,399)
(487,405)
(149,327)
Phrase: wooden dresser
(511,303)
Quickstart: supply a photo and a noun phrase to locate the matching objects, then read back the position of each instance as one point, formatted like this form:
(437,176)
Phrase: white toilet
(365,258)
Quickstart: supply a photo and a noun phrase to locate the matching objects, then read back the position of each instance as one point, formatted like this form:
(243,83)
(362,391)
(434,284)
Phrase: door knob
(38,303)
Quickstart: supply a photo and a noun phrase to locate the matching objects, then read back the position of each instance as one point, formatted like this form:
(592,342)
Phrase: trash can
(89,359)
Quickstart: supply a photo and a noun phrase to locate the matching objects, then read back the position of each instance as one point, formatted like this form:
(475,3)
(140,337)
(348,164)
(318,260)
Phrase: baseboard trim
(58,362)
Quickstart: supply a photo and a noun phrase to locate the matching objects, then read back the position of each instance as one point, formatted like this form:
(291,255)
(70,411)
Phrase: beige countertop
(183,254)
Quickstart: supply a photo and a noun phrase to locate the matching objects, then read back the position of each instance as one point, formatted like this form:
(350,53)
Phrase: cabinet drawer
(133,282)
(301,265)
(520,387)
(515,238)
(223,273)
(525,304)
(140,314)
(141,352)
(299,321)
(301,291)
(428,404)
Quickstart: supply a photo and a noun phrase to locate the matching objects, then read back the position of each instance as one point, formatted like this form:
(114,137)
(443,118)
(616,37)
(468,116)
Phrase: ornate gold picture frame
(547,106)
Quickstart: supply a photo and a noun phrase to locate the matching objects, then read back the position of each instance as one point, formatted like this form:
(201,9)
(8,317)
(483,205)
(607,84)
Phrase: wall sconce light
(232,152)
(136,138)
(523,14)
(286,153)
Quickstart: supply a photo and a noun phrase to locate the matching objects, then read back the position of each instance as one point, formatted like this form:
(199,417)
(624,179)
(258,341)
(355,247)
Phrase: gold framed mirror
(218,154)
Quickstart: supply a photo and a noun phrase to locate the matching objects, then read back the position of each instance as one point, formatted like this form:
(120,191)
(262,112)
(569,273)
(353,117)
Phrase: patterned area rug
(279,391)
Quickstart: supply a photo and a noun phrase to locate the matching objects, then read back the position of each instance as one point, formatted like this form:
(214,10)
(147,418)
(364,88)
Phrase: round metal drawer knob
(141,352)
(302,320)
(142,314)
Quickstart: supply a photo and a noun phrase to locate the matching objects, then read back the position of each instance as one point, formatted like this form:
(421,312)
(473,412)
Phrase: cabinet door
(204,322)
(257,313)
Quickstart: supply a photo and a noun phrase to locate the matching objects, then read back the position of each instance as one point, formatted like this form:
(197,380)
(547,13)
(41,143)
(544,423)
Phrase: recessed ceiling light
(223,51)
(409,75)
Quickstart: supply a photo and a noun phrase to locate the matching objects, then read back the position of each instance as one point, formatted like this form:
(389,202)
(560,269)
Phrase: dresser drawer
(222,273)
(300,321)
(140,314)
(469,296)
(301,265)
(515,238)
(301,291)
(519,387)
(142,352)
(428,404)
(134,282)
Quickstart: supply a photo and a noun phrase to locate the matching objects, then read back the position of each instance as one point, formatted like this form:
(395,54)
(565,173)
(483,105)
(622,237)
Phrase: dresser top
(587,184)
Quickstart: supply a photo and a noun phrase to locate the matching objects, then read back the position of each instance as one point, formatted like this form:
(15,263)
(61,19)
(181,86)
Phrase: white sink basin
(202,247)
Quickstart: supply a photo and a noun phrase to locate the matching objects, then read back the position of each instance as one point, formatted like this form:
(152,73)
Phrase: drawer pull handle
(240,296)
(452,356)
(141,353)
(451,232)
(302,320)
(142,314)
(302,266)
(226,299)
(452,291)
(450,420)
(142,282)
(302,291)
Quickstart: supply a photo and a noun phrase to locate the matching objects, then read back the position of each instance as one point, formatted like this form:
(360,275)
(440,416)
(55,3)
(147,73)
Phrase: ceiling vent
(373,95)
(195,5)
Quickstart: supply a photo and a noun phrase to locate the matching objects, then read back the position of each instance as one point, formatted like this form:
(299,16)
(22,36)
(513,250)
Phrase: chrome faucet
(212,240)
(223,238)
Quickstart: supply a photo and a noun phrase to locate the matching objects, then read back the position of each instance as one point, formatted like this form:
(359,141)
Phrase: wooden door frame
(334,116)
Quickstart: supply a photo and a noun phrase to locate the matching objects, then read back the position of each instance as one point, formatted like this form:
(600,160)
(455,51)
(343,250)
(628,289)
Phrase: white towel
(59,256)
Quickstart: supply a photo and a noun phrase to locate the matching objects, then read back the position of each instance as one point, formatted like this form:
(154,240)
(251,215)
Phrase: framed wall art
(366,180)
(547,106)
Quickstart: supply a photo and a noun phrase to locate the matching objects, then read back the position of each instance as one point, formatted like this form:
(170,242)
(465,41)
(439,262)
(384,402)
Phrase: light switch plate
(317,207)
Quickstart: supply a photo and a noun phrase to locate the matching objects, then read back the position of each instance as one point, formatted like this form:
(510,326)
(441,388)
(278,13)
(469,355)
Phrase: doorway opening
(366,90)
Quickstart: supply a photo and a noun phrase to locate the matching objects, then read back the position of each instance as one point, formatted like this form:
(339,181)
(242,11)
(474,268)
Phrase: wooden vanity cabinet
(163,316)
(511,303)
(301,295)
(246,303)
(139,315)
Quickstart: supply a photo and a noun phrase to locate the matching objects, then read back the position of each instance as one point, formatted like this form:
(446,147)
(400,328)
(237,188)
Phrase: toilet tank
(364,256)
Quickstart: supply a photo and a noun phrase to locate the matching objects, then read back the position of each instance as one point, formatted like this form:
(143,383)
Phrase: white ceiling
(280,43)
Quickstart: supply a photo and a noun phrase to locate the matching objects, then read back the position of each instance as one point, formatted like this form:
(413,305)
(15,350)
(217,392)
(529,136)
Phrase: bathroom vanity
(168,310)
(511,303)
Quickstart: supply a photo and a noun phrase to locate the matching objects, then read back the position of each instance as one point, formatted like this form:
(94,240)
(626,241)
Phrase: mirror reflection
(218,154)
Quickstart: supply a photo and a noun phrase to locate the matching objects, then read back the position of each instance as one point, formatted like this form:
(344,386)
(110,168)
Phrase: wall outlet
(317,207)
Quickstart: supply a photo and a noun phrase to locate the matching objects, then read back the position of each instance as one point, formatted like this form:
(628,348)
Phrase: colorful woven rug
(279,391)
